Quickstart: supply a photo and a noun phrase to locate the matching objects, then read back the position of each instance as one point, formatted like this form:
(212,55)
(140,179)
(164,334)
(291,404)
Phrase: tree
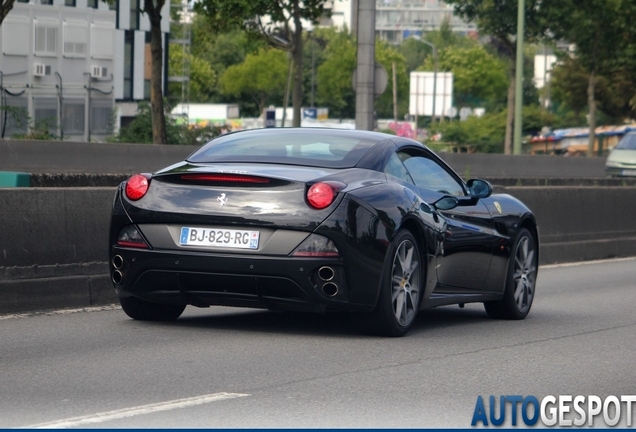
(141,129)
(5,8)
(262,76)
(479,78)
(599,32)
(221,50)
(278,21)
(334,89)
(498,19)
(386,55)
(202,77)
(153,9)
(415,52)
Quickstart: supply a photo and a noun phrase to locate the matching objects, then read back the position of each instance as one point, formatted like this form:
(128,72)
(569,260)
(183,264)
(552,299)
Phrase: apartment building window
(73,119)
(129,49)
(103,46)
(92,3)
(45,2)
(15,35)
(70,3)
(75,37)
(101,116)
(46,33)
(45,118)
(14,116)
(134,14)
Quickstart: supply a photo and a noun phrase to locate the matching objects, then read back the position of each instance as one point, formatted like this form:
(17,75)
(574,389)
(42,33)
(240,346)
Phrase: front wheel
(520,281)
(400,291)
(145,311)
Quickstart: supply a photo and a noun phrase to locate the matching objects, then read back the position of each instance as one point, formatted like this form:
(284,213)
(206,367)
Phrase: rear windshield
(628,142)
(319,148)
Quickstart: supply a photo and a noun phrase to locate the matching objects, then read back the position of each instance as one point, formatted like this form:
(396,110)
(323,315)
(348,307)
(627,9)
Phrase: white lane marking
(582,263)
(135,411)
(60,312)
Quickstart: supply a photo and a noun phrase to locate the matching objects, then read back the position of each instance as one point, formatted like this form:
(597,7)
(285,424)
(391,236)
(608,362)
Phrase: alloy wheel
(405,283)
(524,275)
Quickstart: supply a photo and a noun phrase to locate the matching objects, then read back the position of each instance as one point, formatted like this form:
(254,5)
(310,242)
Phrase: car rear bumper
(620,171)
(204,279)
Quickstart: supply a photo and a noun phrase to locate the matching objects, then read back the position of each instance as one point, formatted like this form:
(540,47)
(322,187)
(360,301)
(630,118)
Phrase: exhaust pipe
(330,289)
(118,262)
(326,273)
(117,277)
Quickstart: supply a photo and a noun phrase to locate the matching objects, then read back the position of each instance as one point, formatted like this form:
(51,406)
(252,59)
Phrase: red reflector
(231,178)
(132,244)
(320,195)
(316,254)
(136,187)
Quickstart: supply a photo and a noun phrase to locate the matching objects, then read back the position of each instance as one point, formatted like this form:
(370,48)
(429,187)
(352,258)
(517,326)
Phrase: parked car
(319,220)
(621,161)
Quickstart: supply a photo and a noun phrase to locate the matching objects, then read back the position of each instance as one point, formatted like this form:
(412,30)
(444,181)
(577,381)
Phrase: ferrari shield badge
(497,206)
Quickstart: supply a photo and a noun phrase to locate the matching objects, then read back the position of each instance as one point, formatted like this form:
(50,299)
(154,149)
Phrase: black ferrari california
(319,220)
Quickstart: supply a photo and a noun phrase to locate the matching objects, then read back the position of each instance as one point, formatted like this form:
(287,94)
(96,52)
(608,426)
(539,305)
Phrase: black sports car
(319,220)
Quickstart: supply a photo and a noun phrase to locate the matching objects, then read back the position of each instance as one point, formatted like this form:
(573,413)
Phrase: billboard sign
(426,87)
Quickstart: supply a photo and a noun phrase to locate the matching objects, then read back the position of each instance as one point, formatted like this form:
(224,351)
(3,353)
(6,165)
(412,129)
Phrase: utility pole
(516,147)
(434,117)
(365,72)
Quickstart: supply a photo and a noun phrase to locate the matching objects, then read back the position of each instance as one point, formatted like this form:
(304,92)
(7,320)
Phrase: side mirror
(479,188)
(446,203)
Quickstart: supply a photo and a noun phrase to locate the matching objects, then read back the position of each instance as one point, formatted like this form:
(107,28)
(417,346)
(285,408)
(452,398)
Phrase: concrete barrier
(54,251)
(582,223)
(80,157)
(53,248)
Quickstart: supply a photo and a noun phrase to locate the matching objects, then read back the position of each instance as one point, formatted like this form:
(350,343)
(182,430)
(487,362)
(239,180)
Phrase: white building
(396,20)
(71,65)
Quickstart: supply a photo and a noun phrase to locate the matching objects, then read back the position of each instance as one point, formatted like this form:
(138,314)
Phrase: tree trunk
(510,116)
(261,106)
(5,8)
(591,121)
(153,10)
(297,56)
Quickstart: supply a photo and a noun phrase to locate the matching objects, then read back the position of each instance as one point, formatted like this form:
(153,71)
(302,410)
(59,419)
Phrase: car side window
(396,168)
(428,174)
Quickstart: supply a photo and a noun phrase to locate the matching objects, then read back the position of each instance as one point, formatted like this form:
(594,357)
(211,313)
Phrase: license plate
(630,173)
(219,237)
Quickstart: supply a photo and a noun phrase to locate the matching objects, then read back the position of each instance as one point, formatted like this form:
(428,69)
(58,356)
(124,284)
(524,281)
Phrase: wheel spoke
(399,305)
(396,293)
(529,262)
(412,297)
(406,259)
(524,248)
(519,294)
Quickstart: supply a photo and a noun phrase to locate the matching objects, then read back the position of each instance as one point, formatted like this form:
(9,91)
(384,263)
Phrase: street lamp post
(516,149)
(433,118)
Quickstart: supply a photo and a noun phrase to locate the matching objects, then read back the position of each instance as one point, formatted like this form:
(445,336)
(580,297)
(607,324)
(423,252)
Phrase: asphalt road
(224,367)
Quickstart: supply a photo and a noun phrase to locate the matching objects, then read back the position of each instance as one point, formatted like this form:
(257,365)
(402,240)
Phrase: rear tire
(400,291)
(145,311)
(520,281)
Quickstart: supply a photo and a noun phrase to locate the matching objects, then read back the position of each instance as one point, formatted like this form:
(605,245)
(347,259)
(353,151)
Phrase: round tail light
(321,195)
(137,186)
